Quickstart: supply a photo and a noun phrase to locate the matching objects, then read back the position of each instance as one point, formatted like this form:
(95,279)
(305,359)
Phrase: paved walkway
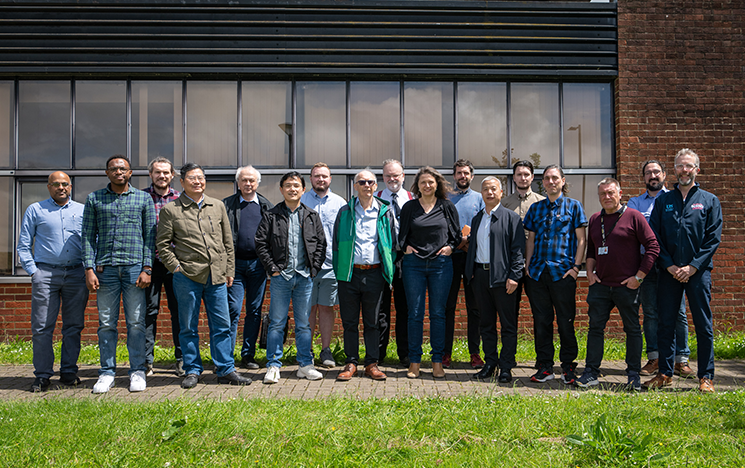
(15,382)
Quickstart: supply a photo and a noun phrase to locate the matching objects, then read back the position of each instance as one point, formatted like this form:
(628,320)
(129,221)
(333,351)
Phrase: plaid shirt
(118,229)
(161,201)
(554,225)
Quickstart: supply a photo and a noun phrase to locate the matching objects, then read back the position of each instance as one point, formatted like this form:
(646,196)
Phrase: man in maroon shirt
(615,269)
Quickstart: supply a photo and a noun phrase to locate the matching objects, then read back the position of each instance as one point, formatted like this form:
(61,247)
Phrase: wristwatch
(148,271)
(639,280)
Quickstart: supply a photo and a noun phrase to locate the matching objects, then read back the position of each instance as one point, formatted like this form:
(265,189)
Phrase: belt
(60,267)
(368,267)
(483,266)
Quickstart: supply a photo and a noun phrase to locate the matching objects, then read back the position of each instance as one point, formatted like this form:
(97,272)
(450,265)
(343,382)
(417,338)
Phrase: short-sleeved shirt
(554,224)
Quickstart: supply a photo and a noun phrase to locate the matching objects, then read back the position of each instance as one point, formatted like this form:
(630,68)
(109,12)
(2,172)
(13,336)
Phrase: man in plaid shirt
(118,250)
(554,253)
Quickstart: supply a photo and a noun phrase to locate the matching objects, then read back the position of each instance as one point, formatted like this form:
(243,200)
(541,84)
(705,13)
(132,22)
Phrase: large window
(100,122)
(7,134)
(267,123)
(44,123)
(375,124)
(212,123)
(321,124)
(429,130)
(157,116)
(482,124)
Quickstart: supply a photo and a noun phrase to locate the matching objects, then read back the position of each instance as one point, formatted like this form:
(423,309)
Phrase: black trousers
(160,277)
(364,292)
(495,302)
(402,317)
(472,309)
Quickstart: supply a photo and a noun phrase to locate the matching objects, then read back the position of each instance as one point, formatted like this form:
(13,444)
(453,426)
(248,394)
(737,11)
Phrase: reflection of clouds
(587,104)
(375,126)
(535,116)
(482,122)
(428,130)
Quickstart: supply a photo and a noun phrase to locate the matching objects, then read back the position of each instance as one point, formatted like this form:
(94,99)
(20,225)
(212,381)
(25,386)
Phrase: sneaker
(104,384)
(567,375)
(634,383)
(476,361)
(249,362)
(544,374)
(650,368)
(327,358)
(588,379)
(149,370)
(137,381)
(41,384)
(272,375)
(446,361)
(309,372)
(180,368)
(682,369)
(69,380)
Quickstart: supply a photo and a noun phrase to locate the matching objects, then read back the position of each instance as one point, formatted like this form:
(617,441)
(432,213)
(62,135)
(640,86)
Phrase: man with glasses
(49,248)
(196,244)
(654,175)
(688,223)
(118,250)
(397,195)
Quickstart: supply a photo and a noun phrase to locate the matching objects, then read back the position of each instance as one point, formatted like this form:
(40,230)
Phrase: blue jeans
(119,282)
(190,295)
(298,289)
(422,276)
(250,280)
(649,306)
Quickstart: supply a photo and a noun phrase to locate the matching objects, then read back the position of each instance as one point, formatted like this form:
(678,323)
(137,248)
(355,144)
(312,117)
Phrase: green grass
(692,429)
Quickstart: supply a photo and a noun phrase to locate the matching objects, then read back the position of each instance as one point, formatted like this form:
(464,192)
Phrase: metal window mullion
(293,128)
(72,123)
(401,124)
(16,120)
(240,123)
(455,121)
(348,89)
(508,117)
(184,123)
(128,106)
(561,125)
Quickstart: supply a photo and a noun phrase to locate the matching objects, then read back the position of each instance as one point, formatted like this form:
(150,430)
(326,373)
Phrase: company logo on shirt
(697,206)
(669,208)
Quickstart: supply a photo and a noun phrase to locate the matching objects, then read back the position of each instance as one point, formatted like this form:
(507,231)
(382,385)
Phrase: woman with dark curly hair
(429,232)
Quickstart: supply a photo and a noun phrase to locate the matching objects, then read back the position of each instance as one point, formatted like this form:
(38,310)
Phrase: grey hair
(247,168)
(608,181)
(367,169)
(490,178)
(393,161)
(688,152)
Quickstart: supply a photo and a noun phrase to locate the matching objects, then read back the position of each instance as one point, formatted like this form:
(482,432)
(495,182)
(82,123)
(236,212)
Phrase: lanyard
(602,223)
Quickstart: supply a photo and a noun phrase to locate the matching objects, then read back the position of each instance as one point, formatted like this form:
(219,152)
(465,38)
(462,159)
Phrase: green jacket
(345,235)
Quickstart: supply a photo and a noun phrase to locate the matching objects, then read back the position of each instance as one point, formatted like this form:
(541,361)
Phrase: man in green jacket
(364,236)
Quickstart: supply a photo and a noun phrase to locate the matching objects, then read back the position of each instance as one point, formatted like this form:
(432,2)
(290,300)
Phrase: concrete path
(15,382)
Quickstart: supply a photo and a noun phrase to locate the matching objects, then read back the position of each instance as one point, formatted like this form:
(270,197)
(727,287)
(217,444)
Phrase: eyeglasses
(60,184)
(688,167)
(365,182)
(652,173)
(116,170)
(198,178)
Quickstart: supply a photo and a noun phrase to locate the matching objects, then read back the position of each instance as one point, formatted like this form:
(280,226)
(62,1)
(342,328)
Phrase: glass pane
(44,125)
(482,124)
(7,135)
(588,125)
(212,123)
(585,189)
(375,123)
(220,188)
(429,128)
(267,123)
(6,217)
(535,122)
(157,128)
(100,122)
(31,192)
(269,187)
(82,186)
(321,124)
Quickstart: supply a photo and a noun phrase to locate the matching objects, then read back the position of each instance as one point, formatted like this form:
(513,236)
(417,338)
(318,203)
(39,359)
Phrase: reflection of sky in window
(266,105)
(375,123)
(321,124)
(44,125)
(156,122)
(587,110)
(482,123)
(429,126)
(535,121)
(100,122)
(212,123)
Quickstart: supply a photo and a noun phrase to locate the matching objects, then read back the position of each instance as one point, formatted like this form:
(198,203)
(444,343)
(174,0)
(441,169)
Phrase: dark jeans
(472,310)
(402,317)
(365,292)
(493,301)
(601,299)
(649,306)
(250,280)
(547,296)
(698,293)
(160,277)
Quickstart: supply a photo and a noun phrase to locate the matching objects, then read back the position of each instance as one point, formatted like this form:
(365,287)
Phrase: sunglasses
(365,182)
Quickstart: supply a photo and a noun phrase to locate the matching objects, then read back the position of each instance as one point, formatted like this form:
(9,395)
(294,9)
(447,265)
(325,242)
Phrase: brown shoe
(372,371)
(347,373)
(413,372)
(437,371)
(706,386)
(659,381)
(650,368)
(682,369)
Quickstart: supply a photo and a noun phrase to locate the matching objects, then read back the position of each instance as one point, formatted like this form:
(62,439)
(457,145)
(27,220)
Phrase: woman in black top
(429,232)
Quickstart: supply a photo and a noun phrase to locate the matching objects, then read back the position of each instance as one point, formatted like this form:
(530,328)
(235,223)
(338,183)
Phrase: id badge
(603,250)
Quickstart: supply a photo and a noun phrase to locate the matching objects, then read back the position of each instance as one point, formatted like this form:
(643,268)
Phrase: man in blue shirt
(53,228)
(654,179)
(554,253)
(468,202)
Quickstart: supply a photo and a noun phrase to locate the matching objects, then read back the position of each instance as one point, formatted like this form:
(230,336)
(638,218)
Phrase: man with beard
(688,224)
(468,202)
(654,175)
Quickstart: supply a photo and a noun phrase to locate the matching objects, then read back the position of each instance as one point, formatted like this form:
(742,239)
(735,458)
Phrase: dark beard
(468,184)
(653,188)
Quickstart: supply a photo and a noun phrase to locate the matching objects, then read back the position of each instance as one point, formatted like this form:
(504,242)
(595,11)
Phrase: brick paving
(15,382)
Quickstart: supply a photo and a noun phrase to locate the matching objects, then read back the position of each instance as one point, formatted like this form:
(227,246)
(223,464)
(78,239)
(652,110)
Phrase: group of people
(319,250)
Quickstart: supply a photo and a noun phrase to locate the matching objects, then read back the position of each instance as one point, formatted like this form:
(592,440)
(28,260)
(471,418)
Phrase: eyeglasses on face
(365,182)
(60,184)
(197,178)
(688,167)
(118,169)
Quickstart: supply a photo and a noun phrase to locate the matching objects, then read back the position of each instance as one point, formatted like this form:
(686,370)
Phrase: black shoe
(41,384)
(248,362)
(544,374)
(234,379)
(404,361)
(190,381)
(568,376)
(505,376)
(486,372)
(69,380)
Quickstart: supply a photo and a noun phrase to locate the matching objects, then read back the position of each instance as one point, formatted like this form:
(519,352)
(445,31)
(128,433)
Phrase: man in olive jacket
(195,243)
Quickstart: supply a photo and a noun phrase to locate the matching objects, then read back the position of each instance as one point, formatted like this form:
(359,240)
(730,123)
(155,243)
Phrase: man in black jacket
(494,265)
(291,245)
(245,210)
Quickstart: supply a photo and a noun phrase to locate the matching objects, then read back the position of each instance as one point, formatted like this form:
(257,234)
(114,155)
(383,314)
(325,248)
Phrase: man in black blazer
(494,265)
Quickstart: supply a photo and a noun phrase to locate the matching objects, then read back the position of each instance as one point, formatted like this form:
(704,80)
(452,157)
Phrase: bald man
(54,228)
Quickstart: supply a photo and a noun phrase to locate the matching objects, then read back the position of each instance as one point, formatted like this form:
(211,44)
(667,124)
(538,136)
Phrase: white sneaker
(272,375)
(104,384)
(309,372)
(137,382)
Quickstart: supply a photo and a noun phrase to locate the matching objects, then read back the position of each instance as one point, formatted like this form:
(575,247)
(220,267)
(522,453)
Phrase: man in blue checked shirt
(49,249)
(118,249)
(554,253)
